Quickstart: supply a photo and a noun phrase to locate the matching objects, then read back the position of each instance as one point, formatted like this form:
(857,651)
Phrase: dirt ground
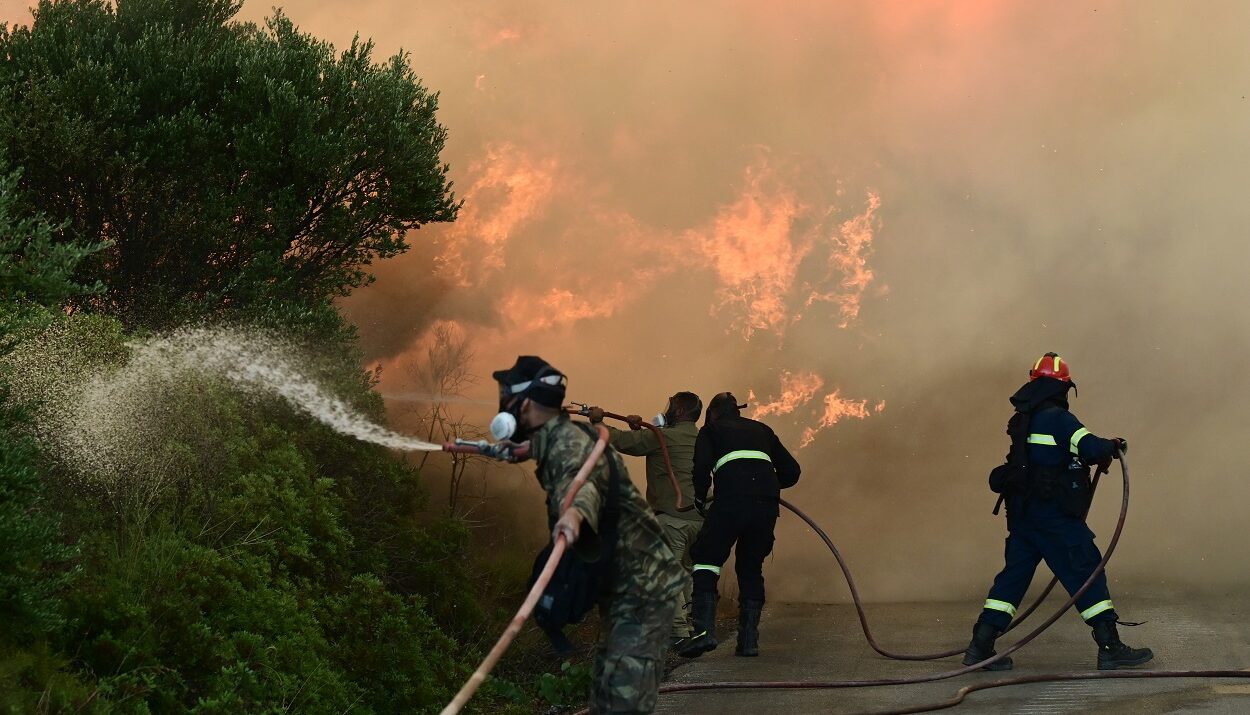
(800,642)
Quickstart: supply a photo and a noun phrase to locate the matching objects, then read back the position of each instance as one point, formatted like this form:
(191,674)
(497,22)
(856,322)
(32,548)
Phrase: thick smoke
(675,196)
(1049,177)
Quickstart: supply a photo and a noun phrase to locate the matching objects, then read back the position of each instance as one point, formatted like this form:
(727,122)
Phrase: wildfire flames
(852,245)
(751,247)
(507,189)
(835,409)
(775,252)
(797,390)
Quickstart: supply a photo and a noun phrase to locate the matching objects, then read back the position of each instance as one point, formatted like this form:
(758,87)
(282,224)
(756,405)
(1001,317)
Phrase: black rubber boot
(703,614)
(982,647)
(1112,653)
(748,628)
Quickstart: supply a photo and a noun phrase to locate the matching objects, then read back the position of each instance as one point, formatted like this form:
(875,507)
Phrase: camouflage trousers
(629,662)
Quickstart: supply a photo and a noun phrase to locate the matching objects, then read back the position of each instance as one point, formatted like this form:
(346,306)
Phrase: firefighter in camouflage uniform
(636,609)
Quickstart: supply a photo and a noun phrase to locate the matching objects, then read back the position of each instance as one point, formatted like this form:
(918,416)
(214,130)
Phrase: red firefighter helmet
(1051,365)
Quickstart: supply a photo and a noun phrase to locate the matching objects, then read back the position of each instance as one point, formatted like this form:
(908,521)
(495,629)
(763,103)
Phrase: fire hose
(584,411)
(510,452)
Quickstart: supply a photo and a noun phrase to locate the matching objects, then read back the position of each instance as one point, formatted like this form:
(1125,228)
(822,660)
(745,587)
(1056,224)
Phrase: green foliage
(178,166)
(33,267)
(228,165)
(567,688)
(270,564)
(32,561)
(39,680)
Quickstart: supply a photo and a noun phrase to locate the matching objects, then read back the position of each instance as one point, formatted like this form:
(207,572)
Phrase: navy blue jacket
(1055,436)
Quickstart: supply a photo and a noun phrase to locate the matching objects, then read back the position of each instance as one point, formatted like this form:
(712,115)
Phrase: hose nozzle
(494,450)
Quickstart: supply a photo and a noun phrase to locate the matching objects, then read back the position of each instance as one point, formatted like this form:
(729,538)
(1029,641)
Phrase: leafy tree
(228,165)
(34,268)
(35,273)
(30,547)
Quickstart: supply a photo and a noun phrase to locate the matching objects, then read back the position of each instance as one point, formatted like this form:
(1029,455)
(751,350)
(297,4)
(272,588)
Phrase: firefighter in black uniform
(1046,485)
(750,467)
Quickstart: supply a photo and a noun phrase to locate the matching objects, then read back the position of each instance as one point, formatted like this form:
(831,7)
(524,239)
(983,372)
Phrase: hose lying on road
(963,692)
(859,604)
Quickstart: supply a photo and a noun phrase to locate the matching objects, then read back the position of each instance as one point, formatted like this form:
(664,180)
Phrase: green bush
(270,564)
(32,570)
(567,688)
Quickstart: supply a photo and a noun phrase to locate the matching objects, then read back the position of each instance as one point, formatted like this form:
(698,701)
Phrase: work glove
(700,505)
(595,414)
(635,421)
(1121,445)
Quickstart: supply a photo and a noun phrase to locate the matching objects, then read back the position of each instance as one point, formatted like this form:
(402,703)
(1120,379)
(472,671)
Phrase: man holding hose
(750,467)
(636,606)
(674,508)
(1045,483)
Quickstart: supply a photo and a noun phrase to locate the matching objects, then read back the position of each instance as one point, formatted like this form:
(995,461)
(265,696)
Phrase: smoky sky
(909,201)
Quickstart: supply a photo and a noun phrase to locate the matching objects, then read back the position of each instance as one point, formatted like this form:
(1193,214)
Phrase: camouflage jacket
(680,440)
(645,568)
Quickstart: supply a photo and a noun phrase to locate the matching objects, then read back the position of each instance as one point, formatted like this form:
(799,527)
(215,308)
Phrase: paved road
(801,642)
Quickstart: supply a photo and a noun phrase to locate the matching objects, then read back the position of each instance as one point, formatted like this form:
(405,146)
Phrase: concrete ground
(800,642)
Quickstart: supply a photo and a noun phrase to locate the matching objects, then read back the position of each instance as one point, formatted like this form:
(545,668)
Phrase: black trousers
(747,522)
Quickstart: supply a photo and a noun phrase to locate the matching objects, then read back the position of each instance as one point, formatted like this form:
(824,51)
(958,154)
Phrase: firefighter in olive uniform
(678,427)
(1047,489)
(637,607)
(750,468)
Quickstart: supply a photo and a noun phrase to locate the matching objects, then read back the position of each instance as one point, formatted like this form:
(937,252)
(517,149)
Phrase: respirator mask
(668,417)
(504,425)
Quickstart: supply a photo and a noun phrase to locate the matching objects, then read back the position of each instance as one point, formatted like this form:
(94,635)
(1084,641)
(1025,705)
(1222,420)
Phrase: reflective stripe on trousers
(996,605)
(1094,610)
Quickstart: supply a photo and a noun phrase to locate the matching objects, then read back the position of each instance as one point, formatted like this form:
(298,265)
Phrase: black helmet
(534,378)
(725,404)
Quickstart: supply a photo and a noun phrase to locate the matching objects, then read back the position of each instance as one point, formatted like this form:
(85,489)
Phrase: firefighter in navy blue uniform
(750,467)
(1046,486)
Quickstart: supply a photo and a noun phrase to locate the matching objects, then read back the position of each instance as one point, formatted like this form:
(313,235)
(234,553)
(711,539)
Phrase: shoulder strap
(612,505)
(1018,429)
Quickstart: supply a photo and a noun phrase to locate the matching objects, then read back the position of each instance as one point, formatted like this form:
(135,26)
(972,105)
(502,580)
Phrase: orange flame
(837,408)
(508,188)
(852,245)
(561,306)
(796,390)
(750,246)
